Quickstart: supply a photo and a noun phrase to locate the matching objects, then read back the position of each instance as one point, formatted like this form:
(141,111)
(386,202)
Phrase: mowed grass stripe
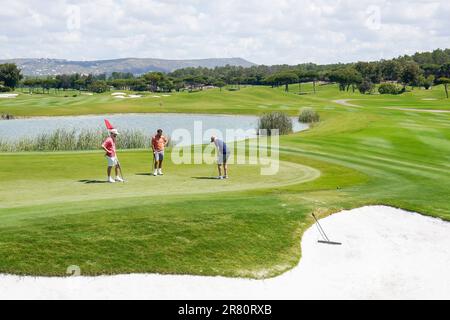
(369,164)
(389,157)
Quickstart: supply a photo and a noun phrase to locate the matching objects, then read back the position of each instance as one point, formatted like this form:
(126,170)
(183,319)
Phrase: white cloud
(262,31)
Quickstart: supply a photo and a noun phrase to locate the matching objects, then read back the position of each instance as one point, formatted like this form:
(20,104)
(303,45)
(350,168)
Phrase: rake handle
(324,235)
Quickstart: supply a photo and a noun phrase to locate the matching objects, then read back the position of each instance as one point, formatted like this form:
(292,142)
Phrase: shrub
(308,115)
(366,87)
(6,116)
(275,120)
(427,82)
(389,88)
(99,86)
(142,86)
(5,89)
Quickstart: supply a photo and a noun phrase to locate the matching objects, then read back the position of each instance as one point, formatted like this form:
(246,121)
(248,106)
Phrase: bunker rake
(325,238)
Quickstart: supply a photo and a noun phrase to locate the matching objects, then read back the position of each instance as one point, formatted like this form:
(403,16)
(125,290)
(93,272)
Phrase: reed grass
(308,115)
(71,140)
(275,121)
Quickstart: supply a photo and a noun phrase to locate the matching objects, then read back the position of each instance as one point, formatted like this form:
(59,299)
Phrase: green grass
(246,101)
(248,226)
(69,177)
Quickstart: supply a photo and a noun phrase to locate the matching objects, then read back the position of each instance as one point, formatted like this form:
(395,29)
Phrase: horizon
(221,58)
(265,33)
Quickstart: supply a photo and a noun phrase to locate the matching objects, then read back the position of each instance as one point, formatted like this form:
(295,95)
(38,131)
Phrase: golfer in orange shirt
(159,142)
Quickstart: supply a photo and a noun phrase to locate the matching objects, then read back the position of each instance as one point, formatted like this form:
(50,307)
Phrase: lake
(13,130)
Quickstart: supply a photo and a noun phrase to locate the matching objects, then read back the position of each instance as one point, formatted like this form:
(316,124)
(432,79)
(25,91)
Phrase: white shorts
(159,155)
(112,161)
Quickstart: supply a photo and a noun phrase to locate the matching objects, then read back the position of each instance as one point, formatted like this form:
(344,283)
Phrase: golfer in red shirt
(110,148)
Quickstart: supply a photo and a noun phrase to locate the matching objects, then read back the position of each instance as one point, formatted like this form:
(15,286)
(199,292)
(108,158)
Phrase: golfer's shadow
(205,178)
(145,174)
(92,181)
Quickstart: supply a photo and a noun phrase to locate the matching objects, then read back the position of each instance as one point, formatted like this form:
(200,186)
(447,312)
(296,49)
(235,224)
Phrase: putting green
(73,177)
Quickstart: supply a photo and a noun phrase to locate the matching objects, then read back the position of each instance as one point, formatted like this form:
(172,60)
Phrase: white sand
(156,96)
(387,253)
(118,94)
(8,95)
(125,96)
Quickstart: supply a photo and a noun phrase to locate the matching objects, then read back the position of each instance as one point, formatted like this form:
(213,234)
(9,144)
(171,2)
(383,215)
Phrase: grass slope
(178,224)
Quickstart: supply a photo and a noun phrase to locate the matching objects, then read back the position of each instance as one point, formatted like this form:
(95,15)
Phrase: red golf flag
(108,125)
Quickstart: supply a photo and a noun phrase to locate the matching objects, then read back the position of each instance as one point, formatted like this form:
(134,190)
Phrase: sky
(261,31)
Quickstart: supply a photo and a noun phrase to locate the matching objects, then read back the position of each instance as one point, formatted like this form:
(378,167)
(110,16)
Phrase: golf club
(121,172)
(153,162)
(325,238)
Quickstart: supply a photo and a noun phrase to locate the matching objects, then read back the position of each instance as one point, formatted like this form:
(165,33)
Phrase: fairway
(56,212)
(249,100)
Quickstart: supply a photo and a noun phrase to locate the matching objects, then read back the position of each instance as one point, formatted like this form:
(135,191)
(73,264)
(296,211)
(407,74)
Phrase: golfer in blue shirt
(222,157)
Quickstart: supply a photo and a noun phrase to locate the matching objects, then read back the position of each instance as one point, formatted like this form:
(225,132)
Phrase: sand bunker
(387,253)
(122,95)
(8,95)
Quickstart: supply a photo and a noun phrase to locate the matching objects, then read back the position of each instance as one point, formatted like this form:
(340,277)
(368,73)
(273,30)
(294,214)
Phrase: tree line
(419,70)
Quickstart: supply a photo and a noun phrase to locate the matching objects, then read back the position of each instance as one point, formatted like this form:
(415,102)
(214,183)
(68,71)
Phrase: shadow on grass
(92,181)
(205,178)
(145,174)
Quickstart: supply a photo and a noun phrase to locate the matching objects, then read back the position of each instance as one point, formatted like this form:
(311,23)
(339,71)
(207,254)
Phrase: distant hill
(137,66)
